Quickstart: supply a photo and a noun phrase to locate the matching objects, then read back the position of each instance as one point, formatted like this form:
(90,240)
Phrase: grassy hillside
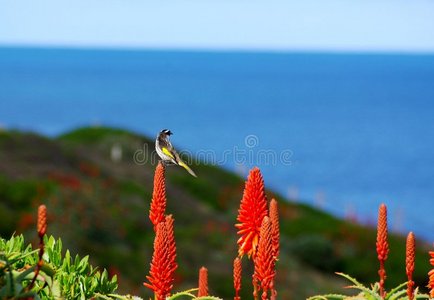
(99,206)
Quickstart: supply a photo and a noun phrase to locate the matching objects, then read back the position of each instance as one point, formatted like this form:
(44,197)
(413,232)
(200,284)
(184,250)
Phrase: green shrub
(61,276)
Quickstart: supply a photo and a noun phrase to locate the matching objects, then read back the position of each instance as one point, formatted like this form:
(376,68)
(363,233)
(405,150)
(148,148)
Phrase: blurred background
(332,100)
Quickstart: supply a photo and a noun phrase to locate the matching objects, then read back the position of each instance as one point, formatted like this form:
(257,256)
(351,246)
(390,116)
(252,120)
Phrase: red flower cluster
(409,264)
(163,265)
(42,220)
(252,211)
(237,277)
(41,227)
(275,231)
(158,202)
(163,262)
(171,241)
(259,236)
(431,275)
(66,180)
(382,245)
(275,237)
(203,282)
(264,261)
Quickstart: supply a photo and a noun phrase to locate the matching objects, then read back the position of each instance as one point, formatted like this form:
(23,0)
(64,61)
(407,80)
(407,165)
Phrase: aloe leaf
(101,296)
(362,288)
(391,295)
(21,276)
(119,297)
(353,280)
(19,256)
(396,295)
(27,295)
(328,296)
(48,269)
(183,293)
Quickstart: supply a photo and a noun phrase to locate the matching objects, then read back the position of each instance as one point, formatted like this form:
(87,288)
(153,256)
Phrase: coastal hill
(97,185)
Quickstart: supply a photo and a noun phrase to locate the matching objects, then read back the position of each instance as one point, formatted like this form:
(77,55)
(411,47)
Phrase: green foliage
(17,195)
(14,273)
(199,188)
(61,277)
(312,249)
(372,293)
(189,295)
(92,134)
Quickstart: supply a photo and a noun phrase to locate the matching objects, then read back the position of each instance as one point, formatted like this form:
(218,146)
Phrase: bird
(167,152)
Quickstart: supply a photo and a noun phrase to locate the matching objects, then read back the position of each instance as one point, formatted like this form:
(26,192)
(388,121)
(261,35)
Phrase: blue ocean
(343,132)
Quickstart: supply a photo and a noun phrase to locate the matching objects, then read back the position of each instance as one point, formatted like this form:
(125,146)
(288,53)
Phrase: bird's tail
(184,165)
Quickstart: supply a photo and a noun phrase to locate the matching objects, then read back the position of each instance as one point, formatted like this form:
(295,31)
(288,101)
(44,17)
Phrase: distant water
(342,132)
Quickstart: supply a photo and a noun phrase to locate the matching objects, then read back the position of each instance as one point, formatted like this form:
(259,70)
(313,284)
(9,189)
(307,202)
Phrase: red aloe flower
(203,282)
(275,232)
(237,277)
(42,229)
(275,235)
(253,209)
(409,264)
(158,202)
(42,220)
(431,275)
(264,261)
(382,245)
(161,274)
(171,242)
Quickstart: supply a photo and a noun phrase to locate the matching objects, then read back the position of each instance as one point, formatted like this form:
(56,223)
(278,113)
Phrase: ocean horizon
(340,131)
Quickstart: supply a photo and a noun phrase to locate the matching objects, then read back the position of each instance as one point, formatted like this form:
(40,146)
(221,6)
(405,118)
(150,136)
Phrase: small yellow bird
(167,153)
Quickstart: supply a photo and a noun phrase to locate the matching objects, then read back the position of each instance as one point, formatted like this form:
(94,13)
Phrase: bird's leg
(167,162)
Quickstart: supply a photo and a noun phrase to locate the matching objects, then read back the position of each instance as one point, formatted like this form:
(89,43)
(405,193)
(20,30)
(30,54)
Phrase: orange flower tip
(243,231)
(150,286)
(237,274)
(42,220)
(410,235)
(158,202)
(203,282)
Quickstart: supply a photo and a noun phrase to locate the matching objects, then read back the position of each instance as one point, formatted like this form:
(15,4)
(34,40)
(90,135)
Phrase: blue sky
(323,25)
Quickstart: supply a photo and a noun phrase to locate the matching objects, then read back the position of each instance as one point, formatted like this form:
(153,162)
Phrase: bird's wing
(167,152)
(177,160)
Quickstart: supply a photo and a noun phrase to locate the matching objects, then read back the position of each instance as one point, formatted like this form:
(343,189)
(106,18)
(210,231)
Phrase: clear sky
(322,25)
